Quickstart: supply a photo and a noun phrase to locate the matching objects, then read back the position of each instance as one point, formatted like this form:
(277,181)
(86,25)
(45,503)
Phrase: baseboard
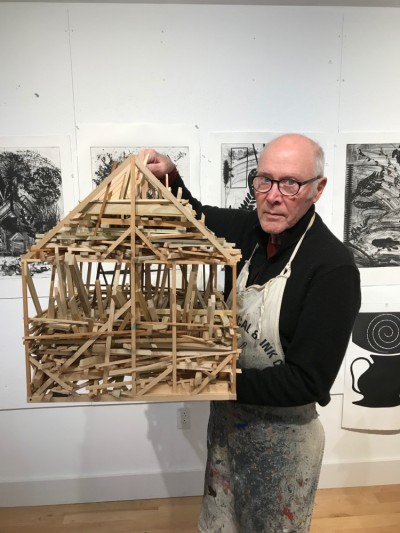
(361,474)
(102,488)
(168,485)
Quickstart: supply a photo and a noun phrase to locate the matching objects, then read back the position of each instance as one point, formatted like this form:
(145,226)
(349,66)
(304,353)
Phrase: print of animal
(388,244)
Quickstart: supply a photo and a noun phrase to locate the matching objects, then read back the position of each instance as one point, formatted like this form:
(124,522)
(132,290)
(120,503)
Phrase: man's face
(289,156)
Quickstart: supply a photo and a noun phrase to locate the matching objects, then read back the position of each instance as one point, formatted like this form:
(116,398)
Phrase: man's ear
(320,188)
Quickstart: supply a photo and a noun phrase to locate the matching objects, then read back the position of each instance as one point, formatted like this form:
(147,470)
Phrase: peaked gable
(102,221)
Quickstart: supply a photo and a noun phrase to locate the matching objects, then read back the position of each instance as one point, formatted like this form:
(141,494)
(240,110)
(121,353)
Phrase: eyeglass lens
(285,186)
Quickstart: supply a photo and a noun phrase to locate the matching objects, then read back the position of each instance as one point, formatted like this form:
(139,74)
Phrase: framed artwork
(239,165)
(99,145)
(232,160)
(103,158)
(369,169)
(372,375)
(35,178)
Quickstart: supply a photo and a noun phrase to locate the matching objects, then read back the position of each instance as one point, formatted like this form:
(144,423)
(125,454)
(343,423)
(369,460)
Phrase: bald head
(306,147)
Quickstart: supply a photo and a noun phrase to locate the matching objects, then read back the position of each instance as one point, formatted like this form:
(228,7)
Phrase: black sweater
(319,306)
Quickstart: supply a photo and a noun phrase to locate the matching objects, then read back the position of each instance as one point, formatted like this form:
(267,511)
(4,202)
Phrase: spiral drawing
(383,333)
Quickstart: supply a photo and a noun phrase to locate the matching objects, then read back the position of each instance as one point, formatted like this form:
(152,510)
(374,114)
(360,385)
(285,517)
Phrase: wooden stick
(133,177)
(143,237)
(24,270)
(103,206)
(156,380)
(213,374)
(51,375)
(165,278)
(99,299)
(234,322)
(77,277)
(111,320)
(190,294)
(125,185)
(210,314)
(29,281)
(61,285)
(174,328)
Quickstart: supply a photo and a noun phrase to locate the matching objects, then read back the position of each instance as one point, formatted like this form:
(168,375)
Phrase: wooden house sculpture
(133,310)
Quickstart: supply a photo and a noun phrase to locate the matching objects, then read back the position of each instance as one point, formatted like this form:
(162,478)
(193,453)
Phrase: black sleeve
(315,354)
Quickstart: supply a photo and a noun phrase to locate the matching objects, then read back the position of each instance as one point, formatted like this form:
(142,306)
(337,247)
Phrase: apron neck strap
(300,241)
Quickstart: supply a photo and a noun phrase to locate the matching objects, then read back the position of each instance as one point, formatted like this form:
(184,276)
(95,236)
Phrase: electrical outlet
(183,418)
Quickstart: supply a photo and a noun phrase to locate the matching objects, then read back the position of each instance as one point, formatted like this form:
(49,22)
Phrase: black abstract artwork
(378,382)
(372,204)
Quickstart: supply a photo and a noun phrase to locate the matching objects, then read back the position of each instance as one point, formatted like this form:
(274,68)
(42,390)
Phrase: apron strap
(286,270)
(272,301)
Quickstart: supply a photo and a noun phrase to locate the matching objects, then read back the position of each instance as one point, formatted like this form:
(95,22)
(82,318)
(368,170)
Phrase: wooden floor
(349,510)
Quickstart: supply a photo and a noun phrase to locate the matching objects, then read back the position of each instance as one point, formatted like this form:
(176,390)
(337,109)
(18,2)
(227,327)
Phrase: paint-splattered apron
(263,462)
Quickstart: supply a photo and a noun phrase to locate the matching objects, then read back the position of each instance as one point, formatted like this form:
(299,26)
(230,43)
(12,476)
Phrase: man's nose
(274,193)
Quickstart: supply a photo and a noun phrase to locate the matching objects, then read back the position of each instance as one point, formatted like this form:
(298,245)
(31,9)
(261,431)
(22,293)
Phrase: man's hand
(158,164)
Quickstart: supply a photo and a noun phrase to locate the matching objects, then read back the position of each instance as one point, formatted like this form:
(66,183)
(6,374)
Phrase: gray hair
(319,160)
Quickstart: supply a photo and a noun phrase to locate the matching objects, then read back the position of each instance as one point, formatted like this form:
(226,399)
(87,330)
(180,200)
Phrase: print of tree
(30,190)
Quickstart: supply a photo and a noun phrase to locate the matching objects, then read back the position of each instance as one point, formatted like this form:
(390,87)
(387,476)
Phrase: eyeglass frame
(298,183)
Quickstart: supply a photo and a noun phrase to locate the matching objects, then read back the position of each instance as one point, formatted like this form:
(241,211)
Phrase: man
(298,293)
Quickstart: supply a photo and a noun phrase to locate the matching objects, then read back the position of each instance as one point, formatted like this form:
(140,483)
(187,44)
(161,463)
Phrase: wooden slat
(80,286)
(133,273)
(32,290)
(103,205)
(123,207)
(155,381)
(24,269)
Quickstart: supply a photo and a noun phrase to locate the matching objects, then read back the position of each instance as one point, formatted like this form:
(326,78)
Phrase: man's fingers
(158,164)
(151,155)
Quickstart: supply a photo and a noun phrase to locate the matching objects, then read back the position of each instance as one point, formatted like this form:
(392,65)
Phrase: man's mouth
(273,215)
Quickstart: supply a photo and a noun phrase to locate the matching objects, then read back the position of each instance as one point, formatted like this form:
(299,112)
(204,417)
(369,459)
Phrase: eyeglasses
(286,186)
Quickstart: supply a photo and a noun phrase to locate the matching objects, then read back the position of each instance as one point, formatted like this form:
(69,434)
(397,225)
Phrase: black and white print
(239,163)
(378,385)
(372,203)
(372,375)
(103,158)
(30,202)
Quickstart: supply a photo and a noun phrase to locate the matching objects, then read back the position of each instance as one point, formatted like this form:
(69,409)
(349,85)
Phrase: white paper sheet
(372,370)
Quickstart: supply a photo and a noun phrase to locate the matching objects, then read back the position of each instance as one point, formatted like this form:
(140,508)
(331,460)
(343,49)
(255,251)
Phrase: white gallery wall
(201,70)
